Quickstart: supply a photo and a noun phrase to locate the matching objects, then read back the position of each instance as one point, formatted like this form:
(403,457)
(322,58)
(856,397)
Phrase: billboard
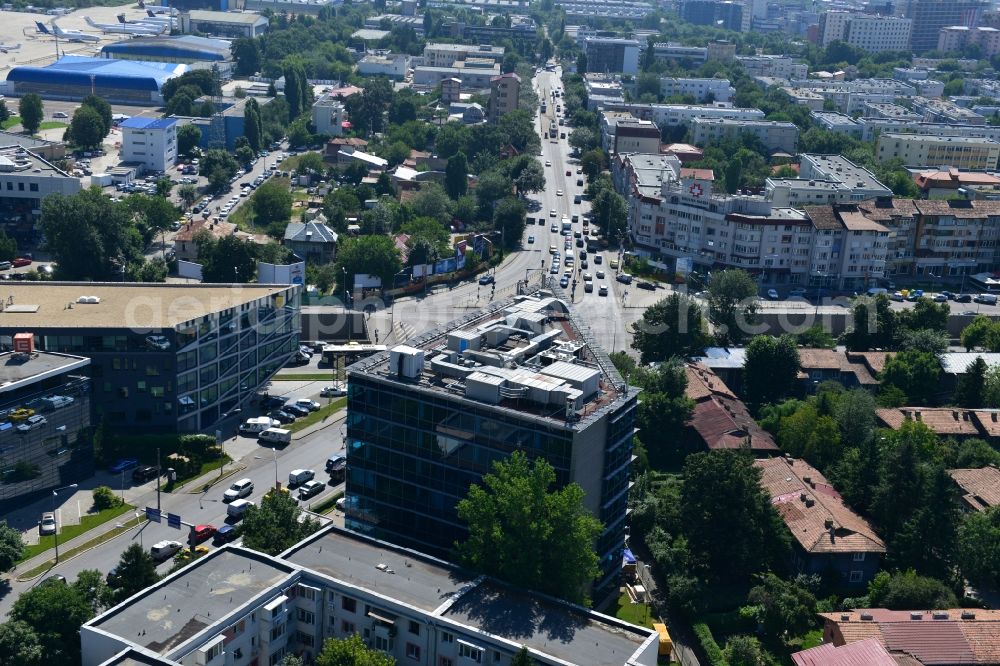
(281,274)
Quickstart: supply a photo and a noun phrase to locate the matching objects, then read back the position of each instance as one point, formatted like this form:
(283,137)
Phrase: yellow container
(666,645)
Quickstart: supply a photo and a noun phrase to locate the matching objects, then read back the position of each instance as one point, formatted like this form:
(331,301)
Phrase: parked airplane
(125,28)
(159,9)
(68,35)
(153,19)
(7,48)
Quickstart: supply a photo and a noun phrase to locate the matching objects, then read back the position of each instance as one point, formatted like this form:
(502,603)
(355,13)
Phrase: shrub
(711,650)
(105,498)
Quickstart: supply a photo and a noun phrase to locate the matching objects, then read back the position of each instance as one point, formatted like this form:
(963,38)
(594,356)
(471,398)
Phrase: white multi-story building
(703,90)
(775,66)
(151,142)
(877,34)
(927,150)
(833,27)
(774,135)
(837,168)
(393,65)
(837,122)
(25,179)
(237,606)
(872,127)
(446,55)
(328,116)
(672,115)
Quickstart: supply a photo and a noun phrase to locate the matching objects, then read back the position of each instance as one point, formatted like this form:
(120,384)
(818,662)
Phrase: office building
(446,55)
(163,357)
(721,50)
(473,73)
(427,419)
(505,93)
(929,150)
(612,56)
(719,13)
(149,142)
(703,90)
(668,51)
(226,126)
(774,66)
(392,65)
(522,32)
(26,179)
(329,115)
(223,24)
(238,606)
(774,135)
(635,136)
(877,34)
(930,16)
(38,455)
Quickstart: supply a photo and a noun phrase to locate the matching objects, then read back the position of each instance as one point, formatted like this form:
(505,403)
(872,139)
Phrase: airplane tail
(41,28)
(90,21)
(121,18)
(150,14)
(142,5)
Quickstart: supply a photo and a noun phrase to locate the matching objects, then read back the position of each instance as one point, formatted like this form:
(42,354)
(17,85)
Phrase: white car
(310,488)
(238,490)
(334,390)
(164,550)
(548,163)
(559,193)
(60,114)
(306,403)
(48,524)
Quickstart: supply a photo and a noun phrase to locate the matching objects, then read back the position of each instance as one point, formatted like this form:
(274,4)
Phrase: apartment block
(776,66)
(957,37)
(929,150)
(239,606)
(877,34)
(603,91)
(804,97)
(774,135)
(803,191)
(703,90)
(672,115)
(945,111)
(694,55)
(849,249)
(608,55)
(520,375)
(837,168)
(329,115)
(393,65)
(149,142)
(837,122)
(872,127)
(163,357)
(635,136)
(505,93)
(833,27)
(446,55)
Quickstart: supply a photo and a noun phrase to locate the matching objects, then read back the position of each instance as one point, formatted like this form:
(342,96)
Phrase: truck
(276,436)
(101,180)
(553,130)
(566,224)
(257,425)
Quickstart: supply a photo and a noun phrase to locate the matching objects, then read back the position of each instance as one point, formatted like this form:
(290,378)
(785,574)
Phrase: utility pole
(157,478)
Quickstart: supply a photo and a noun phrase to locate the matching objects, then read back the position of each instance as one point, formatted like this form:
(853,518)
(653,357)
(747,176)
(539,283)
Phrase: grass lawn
(88,522)
(65,555)
(52,124)
(10,122)
(327,505)
(303,377)
(206,467)
(320,414)
(639,614)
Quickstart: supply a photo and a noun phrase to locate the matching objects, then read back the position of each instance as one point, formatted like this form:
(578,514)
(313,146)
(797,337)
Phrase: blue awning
(628,556)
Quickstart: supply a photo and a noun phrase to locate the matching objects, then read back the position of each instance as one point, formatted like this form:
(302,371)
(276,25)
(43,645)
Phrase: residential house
(185,245)
(868,652)
(313,241)
(943,421)
(980,487)
(843,367)
(944,637)
(827,535)
(720,420)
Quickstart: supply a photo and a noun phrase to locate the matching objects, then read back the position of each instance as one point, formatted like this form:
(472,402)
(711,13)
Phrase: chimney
(954,414)
(906,415)
(994,416)
(916,413)
(866,617)
(828,523)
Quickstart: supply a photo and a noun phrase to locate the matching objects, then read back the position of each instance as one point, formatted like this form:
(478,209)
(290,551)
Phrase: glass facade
(412,456)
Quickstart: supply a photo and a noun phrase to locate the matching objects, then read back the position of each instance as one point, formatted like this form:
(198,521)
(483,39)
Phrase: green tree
(310,164)
(979,546)
(593,162)
(244,155)
(729,541)
(217,159)
(11,547)
(522,658)
(926,314)
(906,591)
(32,112)
(732,304)
(163,187)
(432,201)
(915,373)
(509,219)
(744,650)
(291,660)
(226,260)
(135,571)
(977,333)
(924,339)
(372,255)
(351,651)
(491,187)
(272,203)
(975,453)
(663,410)
(785,607)
(92,587)
(530,179)
(188,137)
(770,369)
(247,54)
(86,127)
(102,108)
(855,414)
(55,611)
(188,194)
(253,125)
(8,247)
(816,337)
(609,212)
(523,532)
(673,326)
(874,325)
(971,390)
(20,644)
(583,139)
(105,498)
(276,524)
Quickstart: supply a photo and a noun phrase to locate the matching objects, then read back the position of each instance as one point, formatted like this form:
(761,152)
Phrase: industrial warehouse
(75,77)
(185,49)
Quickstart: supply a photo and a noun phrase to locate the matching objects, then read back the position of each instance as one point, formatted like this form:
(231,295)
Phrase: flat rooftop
(18,160)
(19,370)
(526,355)
(170,613)
(570,634)
(418,580)
(245,18)
(839,168)
(45,305)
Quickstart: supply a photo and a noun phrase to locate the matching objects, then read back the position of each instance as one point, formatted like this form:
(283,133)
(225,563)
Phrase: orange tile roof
(719,417)
(832,359)
(868,652)
(941,420)
(980,487)
(813,511)
(875,360)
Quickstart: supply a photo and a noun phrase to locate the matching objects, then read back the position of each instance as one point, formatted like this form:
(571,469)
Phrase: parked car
(123,465)
(963,298)
(225,534)
(310,488)
(334,390)
(646,284)
(307,403)
(21,261)
(47,525)
(335,463)
(144,473)
(624,278)
(486,279)
(798,292)
(940,298)
(31,423)
(164,550)
(986,299)
(297,410)
(203,533)
(915,295)
(772,295)
(281,416)
(299,476)
(238,490)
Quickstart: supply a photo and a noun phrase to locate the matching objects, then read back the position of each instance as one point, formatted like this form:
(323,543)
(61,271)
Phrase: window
(447,637)
(33,187)
(413,651)
(497,656)
(346,627)
(348,604)
(855,577)
(382,643)
(414,627)
(277,632)
(470,652)
(306,617)
(445,661)
(303,638)
(859,557)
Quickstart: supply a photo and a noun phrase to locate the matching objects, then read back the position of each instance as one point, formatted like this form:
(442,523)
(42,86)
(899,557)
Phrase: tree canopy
(732,304)
(276,524)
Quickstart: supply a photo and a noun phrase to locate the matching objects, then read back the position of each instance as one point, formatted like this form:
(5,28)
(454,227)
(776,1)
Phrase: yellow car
(21,414)
(614,263)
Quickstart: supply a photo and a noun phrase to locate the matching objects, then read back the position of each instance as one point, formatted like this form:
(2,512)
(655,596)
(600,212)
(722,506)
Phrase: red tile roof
(868,652)
(980,487)
(700,174)
(832,359)
(719,418)
(813,511)
(942,420)
(950,637)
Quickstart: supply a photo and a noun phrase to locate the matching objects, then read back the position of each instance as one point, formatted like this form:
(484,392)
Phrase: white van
(276,436)
(238,509)
(257,425)
(164,550)
(299,476)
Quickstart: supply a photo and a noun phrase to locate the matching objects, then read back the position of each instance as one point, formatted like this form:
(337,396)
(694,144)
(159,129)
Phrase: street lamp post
(274,453)
(344,269)
(55,518)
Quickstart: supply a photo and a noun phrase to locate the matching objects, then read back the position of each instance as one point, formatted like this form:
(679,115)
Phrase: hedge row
(709,648)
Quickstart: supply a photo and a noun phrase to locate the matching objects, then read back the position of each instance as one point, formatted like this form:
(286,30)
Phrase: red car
(21,261)
(568,172)
(203,533)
